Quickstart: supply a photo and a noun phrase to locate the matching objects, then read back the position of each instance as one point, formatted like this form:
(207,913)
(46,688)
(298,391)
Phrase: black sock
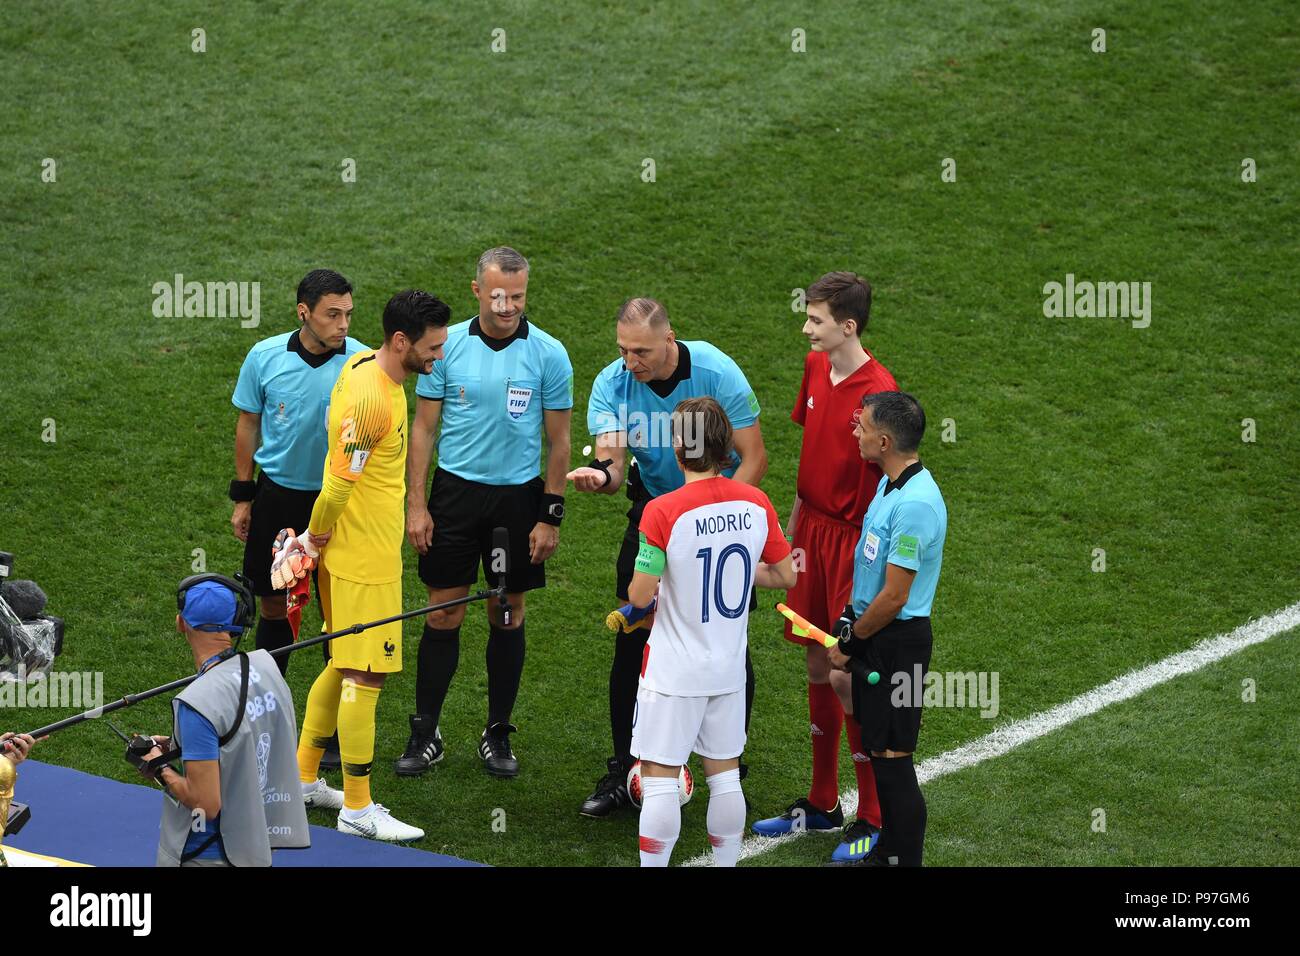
(624,678)
(880,767)
(434,667)
(505,670)
(274,633)
(902,810)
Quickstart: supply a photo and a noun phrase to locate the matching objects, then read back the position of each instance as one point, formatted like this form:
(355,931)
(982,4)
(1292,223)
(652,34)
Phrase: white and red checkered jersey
(713,533)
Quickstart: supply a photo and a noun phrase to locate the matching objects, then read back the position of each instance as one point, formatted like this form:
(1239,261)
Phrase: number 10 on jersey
(711,590)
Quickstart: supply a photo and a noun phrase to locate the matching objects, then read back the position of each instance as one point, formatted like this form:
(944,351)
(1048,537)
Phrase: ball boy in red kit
(835,486)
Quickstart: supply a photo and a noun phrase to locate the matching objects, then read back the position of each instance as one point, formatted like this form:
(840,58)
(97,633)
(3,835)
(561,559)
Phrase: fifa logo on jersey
(870,546)
(280,415)
(518,400)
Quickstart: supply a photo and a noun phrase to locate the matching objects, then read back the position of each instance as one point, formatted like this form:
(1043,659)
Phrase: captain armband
(649,559)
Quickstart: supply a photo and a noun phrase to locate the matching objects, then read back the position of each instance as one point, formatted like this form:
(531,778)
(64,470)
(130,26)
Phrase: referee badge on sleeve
(518,400)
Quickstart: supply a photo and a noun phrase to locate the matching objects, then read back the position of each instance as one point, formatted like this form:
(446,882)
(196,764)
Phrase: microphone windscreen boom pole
(25,598)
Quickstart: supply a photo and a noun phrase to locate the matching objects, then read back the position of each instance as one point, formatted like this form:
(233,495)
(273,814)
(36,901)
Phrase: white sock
(661,819)
(308,788)
(726,819)
(356,814)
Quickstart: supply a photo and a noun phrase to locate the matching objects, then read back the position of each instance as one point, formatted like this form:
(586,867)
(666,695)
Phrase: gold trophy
(7,777)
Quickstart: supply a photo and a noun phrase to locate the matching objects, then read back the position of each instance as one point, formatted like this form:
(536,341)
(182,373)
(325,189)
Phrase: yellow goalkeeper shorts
(377,649)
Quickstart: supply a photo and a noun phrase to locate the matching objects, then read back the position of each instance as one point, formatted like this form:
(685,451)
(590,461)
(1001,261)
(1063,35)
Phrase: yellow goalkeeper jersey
(363,490)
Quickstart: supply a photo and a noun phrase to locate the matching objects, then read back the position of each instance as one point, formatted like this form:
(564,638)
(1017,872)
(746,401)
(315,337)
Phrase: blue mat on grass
(87,819)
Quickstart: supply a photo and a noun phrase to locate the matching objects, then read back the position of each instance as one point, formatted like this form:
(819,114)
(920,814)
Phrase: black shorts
(626,564)
(275,507)
(464,515)
(889,712)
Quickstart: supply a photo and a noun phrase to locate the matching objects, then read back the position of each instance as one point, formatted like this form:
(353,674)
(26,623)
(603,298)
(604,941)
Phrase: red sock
(827,716)
(868,800)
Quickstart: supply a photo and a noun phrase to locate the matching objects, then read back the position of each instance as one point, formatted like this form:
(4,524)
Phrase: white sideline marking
(1022,731)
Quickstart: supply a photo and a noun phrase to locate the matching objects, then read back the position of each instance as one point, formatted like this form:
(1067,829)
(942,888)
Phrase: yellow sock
(357,742)
(318,722)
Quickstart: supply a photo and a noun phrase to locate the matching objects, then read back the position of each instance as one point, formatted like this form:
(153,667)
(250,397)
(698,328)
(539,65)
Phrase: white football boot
(376,823)
(321,794)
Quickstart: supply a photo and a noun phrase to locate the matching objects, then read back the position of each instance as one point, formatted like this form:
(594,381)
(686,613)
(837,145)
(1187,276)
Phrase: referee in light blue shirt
(630,409)
(501,383)
(895,573)
(283,397)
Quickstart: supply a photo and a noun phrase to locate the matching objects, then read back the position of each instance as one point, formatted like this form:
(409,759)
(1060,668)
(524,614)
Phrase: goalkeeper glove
(630,617)
(292,559)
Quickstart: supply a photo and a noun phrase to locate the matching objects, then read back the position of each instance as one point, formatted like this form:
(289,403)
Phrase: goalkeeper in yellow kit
(357,526)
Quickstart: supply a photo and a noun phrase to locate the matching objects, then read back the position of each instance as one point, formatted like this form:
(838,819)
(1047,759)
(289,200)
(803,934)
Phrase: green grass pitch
(771,167)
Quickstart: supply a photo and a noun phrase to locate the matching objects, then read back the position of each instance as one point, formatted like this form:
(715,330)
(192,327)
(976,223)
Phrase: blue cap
(210,606)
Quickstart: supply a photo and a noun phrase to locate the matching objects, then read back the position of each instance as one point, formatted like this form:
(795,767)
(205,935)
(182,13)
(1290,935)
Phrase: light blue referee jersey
(905,525)
(493,393)
(290,388)
(619,403)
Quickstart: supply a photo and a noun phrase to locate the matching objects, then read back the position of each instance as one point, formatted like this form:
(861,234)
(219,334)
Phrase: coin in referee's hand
(586,450)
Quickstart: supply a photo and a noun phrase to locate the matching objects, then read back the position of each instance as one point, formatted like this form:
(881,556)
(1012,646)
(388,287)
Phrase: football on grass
(685,785)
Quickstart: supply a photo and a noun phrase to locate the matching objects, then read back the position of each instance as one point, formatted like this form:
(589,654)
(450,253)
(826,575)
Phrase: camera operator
(234,731)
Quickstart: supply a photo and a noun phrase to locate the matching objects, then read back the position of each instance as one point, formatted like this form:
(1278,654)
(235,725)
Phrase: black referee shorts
(889,712)
(274,507)
(464,515)
(627,552)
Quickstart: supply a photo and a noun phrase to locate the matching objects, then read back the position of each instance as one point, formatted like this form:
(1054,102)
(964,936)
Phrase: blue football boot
(800,815)
(859,839)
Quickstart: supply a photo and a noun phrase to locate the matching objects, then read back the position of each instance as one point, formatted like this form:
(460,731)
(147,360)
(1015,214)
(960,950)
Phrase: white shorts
(666,729)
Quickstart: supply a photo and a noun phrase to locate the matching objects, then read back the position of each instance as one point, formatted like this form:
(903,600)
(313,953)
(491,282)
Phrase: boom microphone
(25,598)
(131,699)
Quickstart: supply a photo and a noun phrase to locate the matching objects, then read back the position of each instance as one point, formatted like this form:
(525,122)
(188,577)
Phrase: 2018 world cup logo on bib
(263,755)
(517,400)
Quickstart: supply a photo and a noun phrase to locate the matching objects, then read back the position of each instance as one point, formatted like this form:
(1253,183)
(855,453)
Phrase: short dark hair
(412,312)
(711,432)
(321,282)
(846,293)
(899,415)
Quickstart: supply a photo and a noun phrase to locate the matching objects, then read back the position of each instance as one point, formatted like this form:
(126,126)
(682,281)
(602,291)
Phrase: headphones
(239,586)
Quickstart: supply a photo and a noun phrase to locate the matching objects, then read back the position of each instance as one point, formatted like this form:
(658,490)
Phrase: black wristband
(551,510)
(602,464)
(846,644)
(243,490)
